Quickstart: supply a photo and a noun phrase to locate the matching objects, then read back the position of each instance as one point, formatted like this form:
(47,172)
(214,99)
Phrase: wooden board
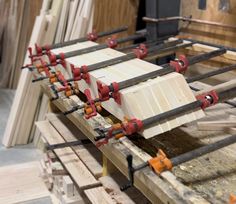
(20,183)
(72,163)
(98,195)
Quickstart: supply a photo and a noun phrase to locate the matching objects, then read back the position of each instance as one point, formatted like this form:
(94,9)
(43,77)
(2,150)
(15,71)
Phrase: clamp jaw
(81,73)
(181,64)
(141,51)
(106,92)
(32,57)
(56,59)
(128,127)
(69,90)
(91,107)
(208,99)
(93,36)
(160,163)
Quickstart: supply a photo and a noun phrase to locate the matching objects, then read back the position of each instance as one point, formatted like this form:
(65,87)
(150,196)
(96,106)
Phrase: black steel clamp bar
(112,91)
(60,58)
(161,163)
(93,36)
(68,144)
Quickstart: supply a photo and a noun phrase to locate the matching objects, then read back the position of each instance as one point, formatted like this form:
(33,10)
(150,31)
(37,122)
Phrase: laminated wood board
(143,100)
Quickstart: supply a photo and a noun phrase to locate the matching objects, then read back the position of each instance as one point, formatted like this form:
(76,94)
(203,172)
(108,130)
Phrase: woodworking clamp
(161,163)
(141,51)
(158,164)
(56,59)
(129,127)
(68,90)
(232,199)
(91,107)
(112,42)
(208,99)
(93,36)
(106,92)
(81,73)
(118,130)
(181,64)
(112,91)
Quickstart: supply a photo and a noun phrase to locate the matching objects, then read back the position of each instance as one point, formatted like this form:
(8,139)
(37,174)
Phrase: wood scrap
(14,182)
(218,125)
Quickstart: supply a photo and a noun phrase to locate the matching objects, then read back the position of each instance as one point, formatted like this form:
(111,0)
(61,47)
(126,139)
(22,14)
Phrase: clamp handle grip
(129,159)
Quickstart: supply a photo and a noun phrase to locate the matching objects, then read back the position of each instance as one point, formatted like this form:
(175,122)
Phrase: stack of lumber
(74,174)
(58,21)
(17,20)
(21,118)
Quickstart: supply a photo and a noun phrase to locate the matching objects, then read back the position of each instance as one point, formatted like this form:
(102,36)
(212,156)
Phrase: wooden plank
(116,194)
(89,155)
(16,187)
(219,125)
(98,195)
(83,178)
(21,91)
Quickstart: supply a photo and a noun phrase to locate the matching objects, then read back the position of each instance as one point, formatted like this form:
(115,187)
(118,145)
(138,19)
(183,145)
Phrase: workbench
(208,179)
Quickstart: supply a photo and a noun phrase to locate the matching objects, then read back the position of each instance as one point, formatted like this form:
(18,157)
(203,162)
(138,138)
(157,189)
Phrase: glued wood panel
(143,100)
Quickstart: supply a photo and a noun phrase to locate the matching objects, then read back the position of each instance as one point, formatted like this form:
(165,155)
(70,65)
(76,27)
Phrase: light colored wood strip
(76,168)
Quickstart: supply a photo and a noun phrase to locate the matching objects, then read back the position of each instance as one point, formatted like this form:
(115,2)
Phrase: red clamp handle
(85,74)
(76,72)
(47,48)
(181,64)
(141,51)
(61,78)
(103,91)
(91,103)
(112,42)
(52,58)
(208,99)
(115,93)
(38,49)
(132,126)
(43,67)
(93,36)
(32,58)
